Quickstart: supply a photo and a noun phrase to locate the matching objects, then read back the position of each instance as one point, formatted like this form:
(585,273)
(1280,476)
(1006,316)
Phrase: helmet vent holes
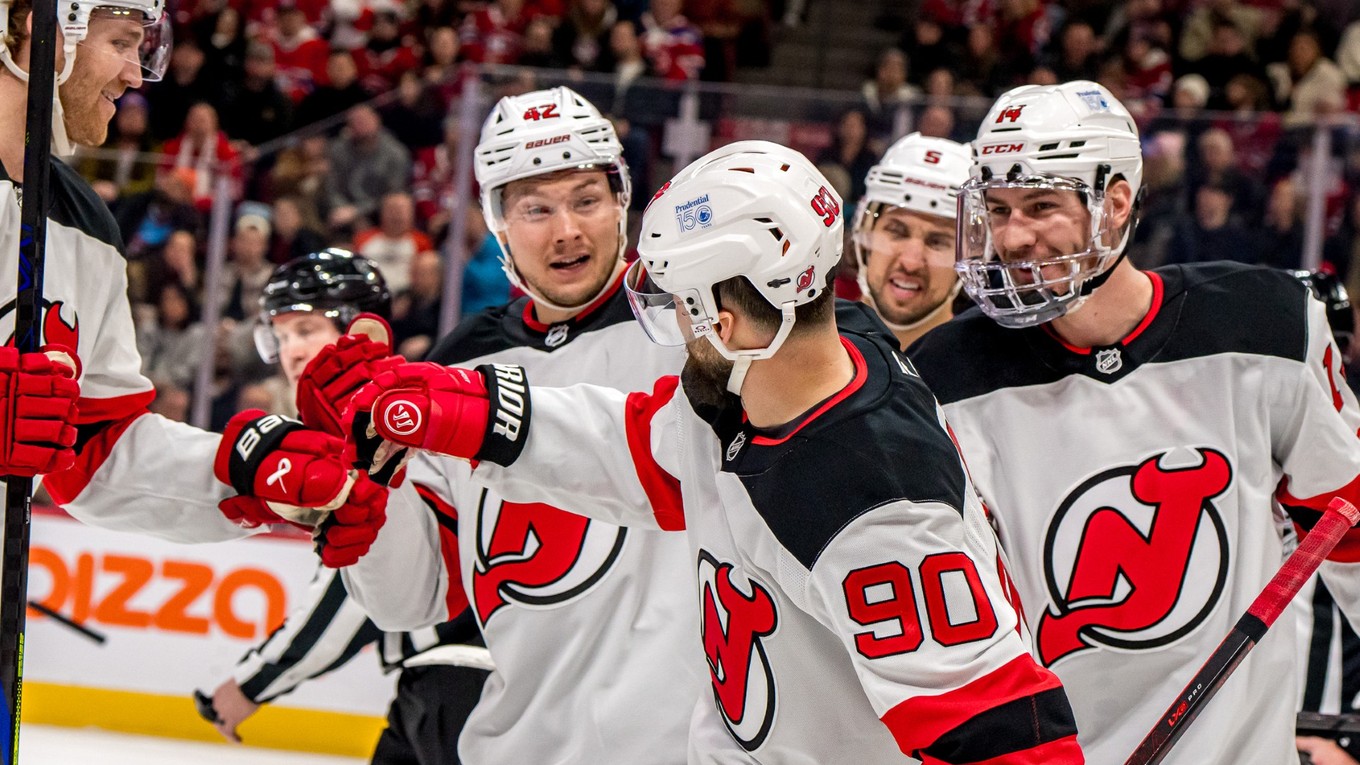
(1076,144)
(785,251)
(538,160)
(750,170)
(1048,146)
(784,168)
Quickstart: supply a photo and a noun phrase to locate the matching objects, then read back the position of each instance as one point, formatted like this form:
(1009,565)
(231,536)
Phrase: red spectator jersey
(301,63)
(675,50)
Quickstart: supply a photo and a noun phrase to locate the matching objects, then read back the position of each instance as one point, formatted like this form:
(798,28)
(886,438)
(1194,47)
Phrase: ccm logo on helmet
(1010,114)
(548,141)
(401,417)
(1003,148)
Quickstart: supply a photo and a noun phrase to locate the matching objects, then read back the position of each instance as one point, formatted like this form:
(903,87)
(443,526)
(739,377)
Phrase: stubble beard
(705,374)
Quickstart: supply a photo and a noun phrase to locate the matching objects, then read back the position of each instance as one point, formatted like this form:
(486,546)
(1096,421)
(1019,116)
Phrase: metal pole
(1315,222)
(212,309)
(455,245)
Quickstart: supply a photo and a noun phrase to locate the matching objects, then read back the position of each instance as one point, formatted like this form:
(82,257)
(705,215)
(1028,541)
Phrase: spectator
(387,54)
(494,34)
(416,310)
(1343,250)
(416,114)
(177,262)
(172,341)
(203,148)
(296,232)
(673,47)
(980,72)
(432,181)
(393,243)
(1204,22)
(1280,241)
(224,48)
(248,269)
(1255,131)
(1023,29)
(441,64)
(849,150)
(581,41)
(928,49)
(1210,234)
(537,50)
(1348,53)
(629,64)
(145,220)
(937,121)
(886,94)
(1313,85)
(1077,57)
(1227,57)
(303,171)
(300,53)
(1146,70)
(366,162)
(484,281)
(129,171)
(254,109)
(340,92)
(430,14)
(1218,164)
(184,84)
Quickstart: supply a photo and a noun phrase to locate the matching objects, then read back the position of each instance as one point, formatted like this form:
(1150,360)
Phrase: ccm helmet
(917,173)
(752,209)
(544,132)
(334,282)
(1075,137)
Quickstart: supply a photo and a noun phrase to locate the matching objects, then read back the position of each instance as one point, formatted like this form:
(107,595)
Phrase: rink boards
(175,618)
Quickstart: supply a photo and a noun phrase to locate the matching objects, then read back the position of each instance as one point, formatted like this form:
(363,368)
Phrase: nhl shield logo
(556,336)
(1109,361)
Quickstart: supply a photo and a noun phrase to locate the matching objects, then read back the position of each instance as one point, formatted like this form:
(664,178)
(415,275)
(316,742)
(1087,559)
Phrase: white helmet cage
(544,132)
(1071,137)
(917,173)
(752,209)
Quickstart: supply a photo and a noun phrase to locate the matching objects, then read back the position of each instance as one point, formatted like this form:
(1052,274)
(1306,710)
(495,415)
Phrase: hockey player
(904,234)
(586,622)
(1136,434)
(128,469)
(306,307)
(852,607)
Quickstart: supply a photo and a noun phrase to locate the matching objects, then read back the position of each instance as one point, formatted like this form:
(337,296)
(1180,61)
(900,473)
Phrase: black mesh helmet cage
(1327,287)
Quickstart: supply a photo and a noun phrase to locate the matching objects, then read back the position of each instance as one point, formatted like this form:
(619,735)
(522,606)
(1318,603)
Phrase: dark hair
(191,313)
(18,25)
(739,293)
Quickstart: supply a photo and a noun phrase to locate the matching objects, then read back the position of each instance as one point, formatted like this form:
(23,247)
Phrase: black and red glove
(347,533)
(297,472)
(474,414)
(332,377)
(38,396)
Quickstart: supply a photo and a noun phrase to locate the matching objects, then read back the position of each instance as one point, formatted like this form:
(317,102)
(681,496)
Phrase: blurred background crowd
(340,123)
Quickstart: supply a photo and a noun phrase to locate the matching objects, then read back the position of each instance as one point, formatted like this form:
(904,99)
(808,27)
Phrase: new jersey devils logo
(1120,552)
(737,617)
(55,328)
(536,555)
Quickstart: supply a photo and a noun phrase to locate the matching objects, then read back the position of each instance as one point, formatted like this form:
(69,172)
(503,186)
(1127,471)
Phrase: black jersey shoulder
(1227,307)
(503,327)
(860,319)
(71,202)
(970,355)
(881,444)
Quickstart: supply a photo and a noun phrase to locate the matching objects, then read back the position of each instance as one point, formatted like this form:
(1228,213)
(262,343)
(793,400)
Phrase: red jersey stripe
(455,599)
(66,485)
(663,490)
(92,410)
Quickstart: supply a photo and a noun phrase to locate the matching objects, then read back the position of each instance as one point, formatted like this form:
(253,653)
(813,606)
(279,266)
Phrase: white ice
(52,745)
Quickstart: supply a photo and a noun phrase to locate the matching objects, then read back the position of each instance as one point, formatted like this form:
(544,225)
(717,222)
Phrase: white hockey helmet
(917,173)
(152,55)
(1071,137)
(753,209)
(544,132)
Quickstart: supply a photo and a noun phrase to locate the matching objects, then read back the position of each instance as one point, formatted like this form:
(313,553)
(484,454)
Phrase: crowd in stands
(338,124)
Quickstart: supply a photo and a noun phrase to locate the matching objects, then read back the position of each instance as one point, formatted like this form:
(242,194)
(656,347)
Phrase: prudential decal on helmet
(1094,100)
(695,213)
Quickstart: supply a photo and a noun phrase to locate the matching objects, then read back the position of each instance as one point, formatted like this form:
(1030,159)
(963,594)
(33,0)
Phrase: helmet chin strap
(61,144)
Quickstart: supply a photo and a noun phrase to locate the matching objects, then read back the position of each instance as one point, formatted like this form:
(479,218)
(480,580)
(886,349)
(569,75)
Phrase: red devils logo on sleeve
(737,617)
(1136,557)
(55,328)
(536,555)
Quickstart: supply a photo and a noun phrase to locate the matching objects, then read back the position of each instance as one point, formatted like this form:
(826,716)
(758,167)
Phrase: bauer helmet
(920,174)
(336,283)
(1075,137)
(752,209)
(543,132)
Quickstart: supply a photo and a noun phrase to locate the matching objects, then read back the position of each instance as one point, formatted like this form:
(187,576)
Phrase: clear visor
(267,343)
(1024,253)
(881,231)
(127,33)
(657,312)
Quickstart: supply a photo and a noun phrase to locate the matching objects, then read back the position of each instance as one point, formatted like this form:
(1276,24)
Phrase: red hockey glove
(340,369)
(480,414)
(38,395)
(297,472)
(346,534)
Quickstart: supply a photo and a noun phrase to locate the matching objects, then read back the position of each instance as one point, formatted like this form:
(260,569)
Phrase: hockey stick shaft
(27,328)
(1319,542)
(68,622)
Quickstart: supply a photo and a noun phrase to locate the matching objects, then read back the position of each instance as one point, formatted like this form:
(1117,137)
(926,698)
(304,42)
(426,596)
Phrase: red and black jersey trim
(1014,726)
(1305,512)
(71,202)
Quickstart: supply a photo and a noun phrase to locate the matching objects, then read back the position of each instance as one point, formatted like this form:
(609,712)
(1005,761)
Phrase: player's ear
(725,326)
(1119,198)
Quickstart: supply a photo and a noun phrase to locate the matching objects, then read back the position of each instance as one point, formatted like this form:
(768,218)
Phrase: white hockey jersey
(852,605)
(1136,489)
(135,471)
(588,623)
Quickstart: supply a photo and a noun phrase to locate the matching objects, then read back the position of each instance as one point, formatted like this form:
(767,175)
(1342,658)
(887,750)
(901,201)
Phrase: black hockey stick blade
(1320,541)
(98,638)
(27,328)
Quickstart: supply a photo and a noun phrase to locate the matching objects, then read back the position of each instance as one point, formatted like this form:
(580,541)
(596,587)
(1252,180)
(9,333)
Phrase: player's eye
(940,242)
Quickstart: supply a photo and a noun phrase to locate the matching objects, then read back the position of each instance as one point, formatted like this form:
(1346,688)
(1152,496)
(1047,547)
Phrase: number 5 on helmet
(473,414)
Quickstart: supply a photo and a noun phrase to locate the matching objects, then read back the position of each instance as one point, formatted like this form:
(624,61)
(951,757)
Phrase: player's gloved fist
(346,534)
(297,472)
(38,395)
(332,377)
(473,414)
